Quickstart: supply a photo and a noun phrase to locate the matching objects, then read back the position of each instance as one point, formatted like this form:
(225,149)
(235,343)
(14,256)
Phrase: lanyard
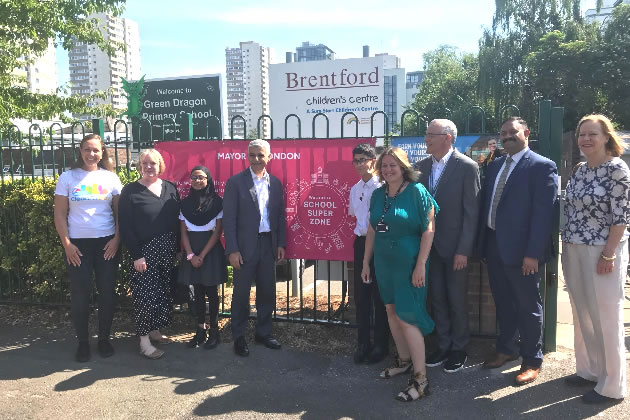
(387,205)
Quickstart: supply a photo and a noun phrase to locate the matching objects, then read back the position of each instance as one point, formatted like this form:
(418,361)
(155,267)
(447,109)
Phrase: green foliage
(449,88)
(32,266)
(589,75)
(30,270)
(26,29)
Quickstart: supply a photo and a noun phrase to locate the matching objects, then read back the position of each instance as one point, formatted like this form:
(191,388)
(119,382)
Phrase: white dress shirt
(515,158)
(360,195)
(437,168)
(262,194)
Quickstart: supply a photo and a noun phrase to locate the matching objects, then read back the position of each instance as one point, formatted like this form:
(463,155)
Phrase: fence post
(550,130)
(187,127)
(98,127)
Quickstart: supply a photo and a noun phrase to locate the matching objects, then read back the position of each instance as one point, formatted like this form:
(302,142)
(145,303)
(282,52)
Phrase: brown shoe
(527,375)
(499,360)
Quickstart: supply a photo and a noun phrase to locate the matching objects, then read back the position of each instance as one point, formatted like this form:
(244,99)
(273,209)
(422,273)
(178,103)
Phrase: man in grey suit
(254,224)
(453,180)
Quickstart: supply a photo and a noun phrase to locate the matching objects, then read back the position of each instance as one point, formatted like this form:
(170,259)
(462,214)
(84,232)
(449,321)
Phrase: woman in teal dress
(400,235)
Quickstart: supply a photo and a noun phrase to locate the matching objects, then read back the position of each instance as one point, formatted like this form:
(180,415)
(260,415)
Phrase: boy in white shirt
(366,296)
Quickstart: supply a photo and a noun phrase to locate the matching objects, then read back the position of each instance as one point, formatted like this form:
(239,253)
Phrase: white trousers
(597,302)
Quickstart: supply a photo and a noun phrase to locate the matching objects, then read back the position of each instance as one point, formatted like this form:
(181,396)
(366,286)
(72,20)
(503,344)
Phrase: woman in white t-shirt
(204,266)
(86,218)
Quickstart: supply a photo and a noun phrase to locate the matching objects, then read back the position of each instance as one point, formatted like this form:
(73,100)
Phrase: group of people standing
(94,213)
(425,222)
(417,227)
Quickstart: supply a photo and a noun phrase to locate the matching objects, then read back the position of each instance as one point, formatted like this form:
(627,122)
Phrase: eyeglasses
(361,161)
(197,177)
(435,134)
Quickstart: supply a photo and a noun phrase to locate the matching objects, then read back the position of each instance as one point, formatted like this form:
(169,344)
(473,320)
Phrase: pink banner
(317,176)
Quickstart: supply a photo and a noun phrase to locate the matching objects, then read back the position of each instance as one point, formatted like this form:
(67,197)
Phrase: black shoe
(437,358)
(198,339)
(213,339)
(361,354)
(376,355)
(456,361)
(578,381)
(240,347)
(268,341)
(83,352)
(592,397)
(105,348)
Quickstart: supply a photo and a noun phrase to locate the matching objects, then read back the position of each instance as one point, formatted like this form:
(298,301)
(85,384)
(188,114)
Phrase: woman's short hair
(106,160)
(615,145)
(400,156)
(155,155)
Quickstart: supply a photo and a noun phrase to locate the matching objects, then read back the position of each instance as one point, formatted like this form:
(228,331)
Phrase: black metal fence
(32,268)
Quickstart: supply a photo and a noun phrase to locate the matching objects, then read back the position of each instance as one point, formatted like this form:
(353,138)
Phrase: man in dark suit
(519,194)
(254,224)
(453,180)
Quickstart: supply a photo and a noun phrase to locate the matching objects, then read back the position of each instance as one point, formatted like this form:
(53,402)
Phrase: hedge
(32,267)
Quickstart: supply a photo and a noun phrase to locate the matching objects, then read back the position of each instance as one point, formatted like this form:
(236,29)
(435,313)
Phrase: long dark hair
(105,162)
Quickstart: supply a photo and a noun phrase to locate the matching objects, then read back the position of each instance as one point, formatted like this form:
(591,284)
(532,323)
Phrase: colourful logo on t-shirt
(90,192)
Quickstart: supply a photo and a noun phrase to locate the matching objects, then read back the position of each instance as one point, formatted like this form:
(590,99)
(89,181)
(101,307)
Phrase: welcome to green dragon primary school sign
(165,100)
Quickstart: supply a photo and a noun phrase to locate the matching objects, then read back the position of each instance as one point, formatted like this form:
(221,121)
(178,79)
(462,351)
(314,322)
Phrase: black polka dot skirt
(152,301)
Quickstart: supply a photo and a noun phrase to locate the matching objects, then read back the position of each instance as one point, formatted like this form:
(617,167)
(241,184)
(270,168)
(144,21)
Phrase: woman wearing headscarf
(204,266)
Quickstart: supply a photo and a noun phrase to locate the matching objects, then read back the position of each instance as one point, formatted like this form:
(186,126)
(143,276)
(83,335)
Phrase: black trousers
(93,265)
(212,292)
(368,301)
(259,269)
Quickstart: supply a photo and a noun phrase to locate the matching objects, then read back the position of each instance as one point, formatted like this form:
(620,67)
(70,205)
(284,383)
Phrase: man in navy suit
(254,224)
(518,197)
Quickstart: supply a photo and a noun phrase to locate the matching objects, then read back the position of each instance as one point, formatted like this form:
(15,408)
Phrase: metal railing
(30,163)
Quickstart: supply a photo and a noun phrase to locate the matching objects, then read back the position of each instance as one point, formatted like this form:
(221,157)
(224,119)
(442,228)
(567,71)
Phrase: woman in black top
(205,266)
(148,212)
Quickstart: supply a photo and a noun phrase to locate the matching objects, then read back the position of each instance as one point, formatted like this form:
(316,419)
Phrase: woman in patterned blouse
(594,259)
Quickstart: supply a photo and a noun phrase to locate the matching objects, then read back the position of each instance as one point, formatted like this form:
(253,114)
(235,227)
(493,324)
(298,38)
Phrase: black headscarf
(201,206)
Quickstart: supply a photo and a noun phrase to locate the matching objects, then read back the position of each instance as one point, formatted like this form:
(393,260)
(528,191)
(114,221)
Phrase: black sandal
(418,387)
(400,367)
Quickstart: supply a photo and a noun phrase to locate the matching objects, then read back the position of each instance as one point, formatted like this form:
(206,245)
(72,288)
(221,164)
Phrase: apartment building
(247,87)
(92,70)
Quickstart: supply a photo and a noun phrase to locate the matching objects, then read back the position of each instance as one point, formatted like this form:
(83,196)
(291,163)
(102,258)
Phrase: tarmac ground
(40,380)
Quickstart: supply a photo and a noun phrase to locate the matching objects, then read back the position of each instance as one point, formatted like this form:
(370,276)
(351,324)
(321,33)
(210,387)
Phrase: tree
(26,26)
(449,88)
(586,76)
(517,29)
(614,58)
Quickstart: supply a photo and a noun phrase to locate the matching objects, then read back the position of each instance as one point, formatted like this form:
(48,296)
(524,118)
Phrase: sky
(189,37)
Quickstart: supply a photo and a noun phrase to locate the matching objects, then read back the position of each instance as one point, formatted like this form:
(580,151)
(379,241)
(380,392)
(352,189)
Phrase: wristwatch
(189,256)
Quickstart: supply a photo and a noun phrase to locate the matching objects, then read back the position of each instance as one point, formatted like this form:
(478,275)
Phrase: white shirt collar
(371,182)
(255,177)
(445,158)
(517,156)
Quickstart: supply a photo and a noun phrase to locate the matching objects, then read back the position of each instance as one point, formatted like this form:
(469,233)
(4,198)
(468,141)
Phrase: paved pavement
(40,380)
